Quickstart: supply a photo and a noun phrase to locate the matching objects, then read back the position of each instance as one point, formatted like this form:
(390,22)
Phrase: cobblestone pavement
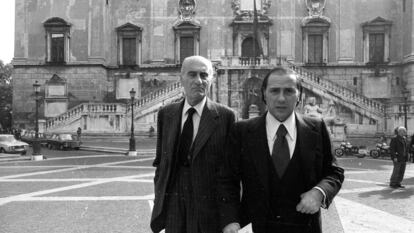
(79,191)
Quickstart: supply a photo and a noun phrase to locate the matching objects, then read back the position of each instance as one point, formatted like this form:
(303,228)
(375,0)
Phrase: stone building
(356,58)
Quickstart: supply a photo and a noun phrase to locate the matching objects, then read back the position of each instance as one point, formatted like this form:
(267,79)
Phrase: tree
(5,73)
(6,95)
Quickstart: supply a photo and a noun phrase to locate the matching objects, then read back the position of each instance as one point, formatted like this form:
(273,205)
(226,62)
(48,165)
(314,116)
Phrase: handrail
(349,94)
(94,108)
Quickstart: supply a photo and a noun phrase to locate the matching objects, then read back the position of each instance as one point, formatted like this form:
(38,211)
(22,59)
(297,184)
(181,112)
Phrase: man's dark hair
(281,71)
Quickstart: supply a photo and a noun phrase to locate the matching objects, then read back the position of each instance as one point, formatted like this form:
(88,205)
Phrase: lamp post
(36,155)
(405,93)
(132,151)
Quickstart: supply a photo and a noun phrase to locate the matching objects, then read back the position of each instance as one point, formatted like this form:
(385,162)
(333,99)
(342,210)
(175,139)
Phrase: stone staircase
(148,104)
(153,101)
(328,89)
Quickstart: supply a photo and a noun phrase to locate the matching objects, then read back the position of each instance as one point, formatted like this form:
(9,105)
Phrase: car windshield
(65,136)
(7,138)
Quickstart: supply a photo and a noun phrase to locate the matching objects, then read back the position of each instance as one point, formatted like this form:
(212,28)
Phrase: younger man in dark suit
(191,139)
(284,163)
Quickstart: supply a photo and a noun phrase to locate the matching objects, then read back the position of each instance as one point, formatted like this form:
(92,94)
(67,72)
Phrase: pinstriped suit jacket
(208,148)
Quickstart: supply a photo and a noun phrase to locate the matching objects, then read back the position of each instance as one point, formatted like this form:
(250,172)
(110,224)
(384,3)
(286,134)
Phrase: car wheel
(2,150)
(374,154)
(339,152)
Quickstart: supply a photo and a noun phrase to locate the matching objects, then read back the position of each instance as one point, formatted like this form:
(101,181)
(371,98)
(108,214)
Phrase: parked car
(9,144)
(29,137)
(62,141)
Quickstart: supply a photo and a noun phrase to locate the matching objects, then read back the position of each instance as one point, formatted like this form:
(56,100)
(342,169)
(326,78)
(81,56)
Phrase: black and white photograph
(207,116)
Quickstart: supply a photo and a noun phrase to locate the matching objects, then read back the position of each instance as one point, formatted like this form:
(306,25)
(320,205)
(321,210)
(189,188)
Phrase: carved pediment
(379,21)
(316,21)
(56,22)
(186,25)
(128,27)
(56,80)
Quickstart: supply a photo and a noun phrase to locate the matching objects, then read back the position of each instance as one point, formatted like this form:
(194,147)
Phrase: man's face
(281,95)
(196,79)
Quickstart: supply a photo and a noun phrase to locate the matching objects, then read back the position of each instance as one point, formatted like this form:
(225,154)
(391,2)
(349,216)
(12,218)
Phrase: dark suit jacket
(247,162)
(208,147)
(398,148)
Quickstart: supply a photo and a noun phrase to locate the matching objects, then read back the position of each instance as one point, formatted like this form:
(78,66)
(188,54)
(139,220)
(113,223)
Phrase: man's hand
(310,202)
(231,228)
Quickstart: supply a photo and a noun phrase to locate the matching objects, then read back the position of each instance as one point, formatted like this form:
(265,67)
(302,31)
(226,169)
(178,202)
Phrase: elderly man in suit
(279,170)
(191,138)
(399,156)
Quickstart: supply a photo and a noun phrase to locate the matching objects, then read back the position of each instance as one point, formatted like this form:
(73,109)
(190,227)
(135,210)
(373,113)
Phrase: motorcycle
(346,148)
(381,149)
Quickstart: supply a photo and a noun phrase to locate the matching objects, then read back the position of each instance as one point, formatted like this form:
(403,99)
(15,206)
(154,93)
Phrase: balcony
(248,62)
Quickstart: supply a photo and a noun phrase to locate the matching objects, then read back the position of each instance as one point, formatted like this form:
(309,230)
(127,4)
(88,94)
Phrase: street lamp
(36,155)
(406,94)
(132,151)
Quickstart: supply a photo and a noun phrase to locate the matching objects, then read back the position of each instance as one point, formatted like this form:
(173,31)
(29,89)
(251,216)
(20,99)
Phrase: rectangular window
(376,47)
(315,49)
(57,48)
(129,49)
(186,47)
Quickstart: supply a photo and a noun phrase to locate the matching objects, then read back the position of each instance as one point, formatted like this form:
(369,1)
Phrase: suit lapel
(307,141)
(173,123)
(259,148)
(208,123)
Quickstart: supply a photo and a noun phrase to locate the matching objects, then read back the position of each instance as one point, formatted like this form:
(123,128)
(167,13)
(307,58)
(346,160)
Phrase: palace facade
(355,57)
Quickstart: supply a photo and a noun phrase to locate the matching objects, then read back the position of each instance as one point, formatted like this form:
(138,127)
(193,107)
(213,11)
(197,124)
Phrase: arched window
(247,48)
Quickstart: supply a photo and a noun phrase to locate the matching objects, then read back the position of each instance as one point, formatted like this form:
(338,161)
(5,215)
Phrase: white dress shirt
(196,116)
(272,125)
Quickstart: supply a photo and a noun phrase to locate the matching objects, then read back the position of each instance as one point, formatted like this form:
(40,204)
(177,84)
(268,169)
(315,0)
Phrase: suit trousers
(180,216)
(397,173)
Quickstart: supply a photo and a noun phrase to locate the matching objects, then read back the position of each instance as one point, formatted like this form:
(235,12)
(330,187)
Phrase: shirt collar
(198,107)
(289,123)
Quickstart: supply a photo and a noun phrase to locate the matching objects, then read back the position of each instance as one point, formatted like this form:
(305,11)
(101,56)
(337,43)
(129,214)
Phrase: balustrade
(336,88)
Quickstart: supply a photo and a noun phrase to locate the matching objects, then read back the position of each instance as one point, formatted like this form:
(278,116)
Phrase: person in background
(279,171)
(399,156)
(411,148)
(191,138)
(79,133)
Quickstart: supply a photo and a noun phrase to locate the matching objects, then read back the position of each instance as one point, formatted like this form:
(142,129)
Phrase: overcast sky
(7,30)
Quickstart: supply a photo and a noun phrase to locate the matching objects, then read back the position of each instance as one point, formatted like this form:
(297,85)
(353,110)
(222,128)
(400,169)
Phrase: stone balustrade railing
(343,92)
(84,109)
(156,95)
(236,61)
(105,108)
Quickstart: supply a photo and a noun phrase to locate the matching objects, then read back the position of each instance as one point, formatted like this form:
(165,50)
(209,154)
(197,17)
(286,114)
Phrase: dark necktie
(280,153)
(186,139)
